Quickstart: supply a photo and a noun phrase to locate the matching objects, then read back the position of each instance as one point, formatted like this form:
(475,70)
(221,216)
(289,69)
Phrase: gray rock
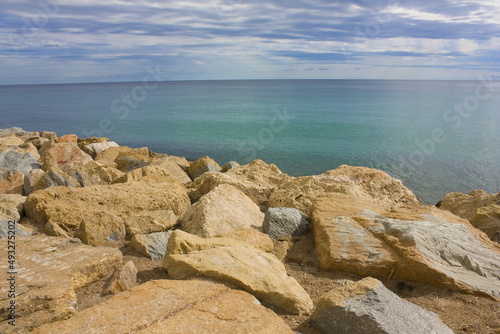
(285,222)
(55,177)
(18,161)
(153,245)
(229,165)
(367,306)
(4,229)
(4,132)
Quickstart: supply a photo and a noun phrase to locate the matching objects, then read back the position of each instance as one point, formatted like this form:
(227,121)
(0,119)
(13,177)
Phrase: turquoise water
(436,136)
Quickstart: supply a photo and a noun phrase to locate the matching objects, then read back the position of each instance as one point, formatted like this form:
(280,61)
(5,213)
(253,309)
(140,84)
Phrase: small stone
(55,230)
(121,280)
(6,226)
(152,245)
(285,222)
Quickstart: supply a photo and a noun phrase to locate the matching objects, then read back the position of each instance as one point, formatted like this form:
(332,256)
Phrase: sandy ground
(461,312)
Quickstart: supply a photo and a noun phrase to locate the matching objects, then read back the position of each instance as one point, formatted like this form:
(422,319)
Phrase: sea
(435,136)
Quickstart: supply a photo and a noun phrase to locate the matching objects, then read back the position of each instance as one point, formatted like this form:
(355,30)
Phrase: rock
(285,222)
(23,163)
(150,221)
(367,306)
(92,173)
(11,141)
(31,179)
(49,271)
(255,271)
(101,229)
(139,173)
(96,148)
(229,165)
(152,245)
(363,183)
(420,244)
(465,206)
(68,206)
(203,165)
(5,132)
(487,219)
(126,158)
(11,207)
(173,168)
(250,236)
(180,307)
(55,230)
(83,142)
(5,227)
(11,181)
(167,159)
(38,141)
(29,148)
(67,139)
(223,209)
(256,180)
(63,153)
(55,177)
(121,280)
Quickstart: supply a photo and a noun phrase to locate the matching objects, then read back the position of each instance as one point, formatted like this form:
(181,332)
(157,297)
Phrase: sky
(72,41)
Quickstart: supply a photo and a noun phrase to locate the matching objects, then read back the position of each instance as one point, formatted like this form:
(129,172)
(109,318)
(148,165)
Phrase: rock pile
(222,240)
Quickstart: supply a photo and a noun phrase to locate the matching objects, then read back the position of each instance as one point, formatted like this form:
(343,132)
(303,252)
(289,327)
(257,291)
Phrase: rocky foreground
(111,239)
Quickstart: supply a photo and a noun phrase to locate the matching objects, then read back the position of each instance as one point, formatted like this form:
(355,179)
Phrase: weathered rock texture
(63,153)
(49,271)
(203,165)
(11,181)
(285,222)
(150,221)
(101,229)
(250,236)
(367,184)
(152,245)
(256,180)
(257,272)
(23,163)
(125,158)
(5,227)
(123,279)
(480,208)
(180,307)
(422,244)
(11,207)
(367,306)
(229,165)
(223,209)
(68,206)
(174,166)
(96,148)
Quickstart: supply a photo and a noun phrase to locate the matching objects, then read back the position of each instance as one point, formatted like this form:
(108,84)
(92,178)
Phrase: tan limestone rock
(49,271)
(82,142)
(31,179)
(11,141)
(363,183)
(487,219)
(11,181)
(122,279)
(465,206)
(250,236)
(55,230)
(174,166)
(11,207)
(92,173)
(96,148)
(152,245)
(255,271)
(421,244)
(67,139)
(62,153)
(223,209)
(203,165)
(155,172)
(126,158)
(68,206)
(151,221)
(257,180)
(180,307)
(101,229)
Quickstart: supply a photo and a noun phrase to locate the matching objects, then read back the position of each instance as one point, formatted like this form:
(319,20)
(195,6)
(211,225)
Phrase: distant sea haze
(436,136)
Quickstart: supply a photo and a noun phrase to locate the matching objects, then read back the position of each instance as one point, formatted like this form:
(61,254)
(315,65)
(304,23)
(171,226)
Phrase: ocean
(436,136)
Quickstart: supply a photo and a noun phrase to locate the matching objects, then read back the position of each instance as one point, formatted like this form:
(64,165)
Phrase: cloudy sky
(48,41)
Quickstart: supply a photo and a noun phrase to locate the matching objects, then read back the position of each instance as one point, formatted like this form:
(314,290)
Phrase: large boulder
(23,163)
(181,307)
(11,181)
(50,271)
(175,166)
(31,179)
(250,236)
(10,141)
(255,271)
(96,148)
(223,209)
(11,206)
(480,208)
(55,177)
(12,130)
(62,153)
(68,206)
(153,171)
(150,221)
(367,306)
(203,165)
(363,183)
(92,173)
(285,222)
(421,244)
(101,229)
(152,245)
(125,158)
(257,180)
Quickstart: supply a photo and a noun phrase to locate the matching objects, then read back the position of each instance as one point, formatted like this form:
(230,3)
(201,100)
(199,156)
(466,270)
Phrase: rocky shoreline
(113,239)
